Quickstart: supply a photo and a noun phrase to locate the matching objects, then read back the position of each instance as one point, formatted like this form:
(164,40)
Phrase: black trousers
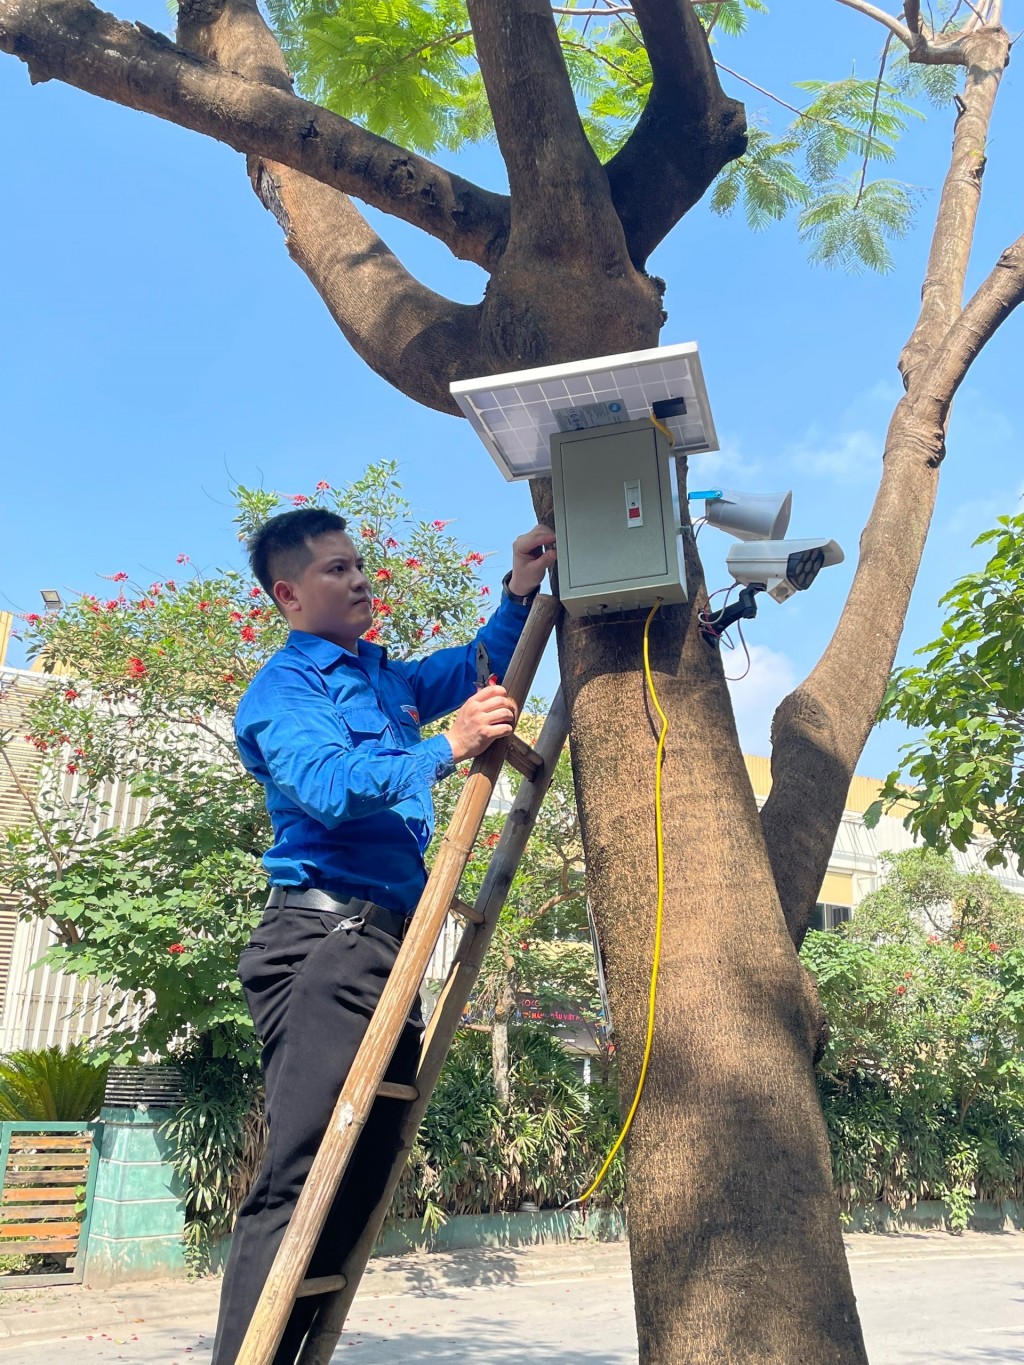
(311,988)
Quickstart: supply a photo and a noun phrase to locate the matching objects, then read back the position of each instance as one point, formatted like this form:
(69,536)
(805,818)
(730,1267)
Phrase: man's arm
(445,679)
(332,766)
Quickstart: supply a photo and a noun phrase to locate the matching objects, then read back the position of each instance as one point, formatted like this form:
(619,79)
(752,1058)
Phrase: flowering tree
(149,677)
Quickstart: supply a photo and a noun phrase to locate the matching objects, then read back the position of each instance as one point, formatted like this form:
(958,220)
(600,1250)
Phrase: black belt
(393,922)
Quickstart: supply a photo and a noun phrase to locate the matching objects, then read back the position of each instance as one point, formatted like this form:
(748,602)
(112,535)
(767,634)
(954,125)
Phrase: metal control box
(616,503)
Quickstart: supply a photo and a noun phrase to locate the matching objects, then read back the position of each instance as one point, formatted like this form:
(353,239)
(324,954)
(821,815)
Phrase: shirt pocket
(364,724)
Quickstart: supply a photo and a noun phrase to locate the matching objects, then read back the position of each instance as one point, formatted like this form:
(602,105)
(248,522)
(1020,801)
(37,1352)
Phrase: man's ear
(286,597)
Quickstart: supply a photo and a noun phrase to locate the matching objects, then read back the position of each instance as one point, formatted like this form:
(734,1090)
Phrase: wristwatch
(521,600)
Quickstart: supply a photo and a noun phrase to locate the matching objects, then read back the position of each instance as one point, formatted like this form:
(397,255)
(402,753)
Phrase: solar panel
(515,414)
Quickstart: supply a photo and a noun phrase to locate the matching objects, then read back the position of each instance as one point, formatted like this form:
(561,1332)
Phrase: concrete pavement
(925,1299)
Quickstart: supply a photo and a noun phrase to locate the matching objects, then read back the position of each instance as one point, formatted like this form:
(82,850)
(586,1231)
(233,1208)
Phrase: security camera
(781,567)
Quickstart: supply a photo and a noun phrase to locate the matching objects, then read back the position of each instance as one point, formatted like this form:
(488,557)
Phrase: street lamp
(52,599)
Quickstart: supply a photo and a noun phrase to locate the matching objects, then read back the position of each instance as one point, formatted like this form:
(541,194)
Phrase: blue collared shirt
(334,738)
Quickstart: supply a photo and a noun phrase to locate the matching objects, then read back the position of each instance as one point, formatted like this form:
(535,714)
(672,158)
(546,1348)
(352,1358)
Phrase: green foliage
(149,681)
(922,1081)
(215,1139)
(474,1155)
(407,69)
(963,778)
(52,1084)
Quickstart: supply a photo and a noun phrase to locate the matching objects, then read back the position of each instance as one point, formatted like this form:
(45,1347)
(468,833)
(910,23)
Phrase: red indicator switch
(634,507)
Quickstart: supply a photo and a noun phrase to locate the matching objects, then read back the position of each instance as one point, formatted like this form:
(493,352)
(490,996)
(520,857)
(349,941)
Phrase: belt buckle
(351,922)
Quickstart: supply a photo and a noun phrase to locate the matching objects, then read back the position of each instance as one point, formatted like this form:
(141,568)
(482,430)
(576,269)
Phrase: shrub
(52,1084)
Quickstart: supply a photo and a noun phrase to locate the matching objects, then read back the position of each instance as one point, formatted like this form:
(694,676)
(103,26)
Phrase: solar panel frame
(514,414)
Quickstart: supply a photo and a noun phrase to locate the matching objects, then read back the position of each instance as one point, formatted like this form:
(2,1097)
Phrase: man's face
(331,596)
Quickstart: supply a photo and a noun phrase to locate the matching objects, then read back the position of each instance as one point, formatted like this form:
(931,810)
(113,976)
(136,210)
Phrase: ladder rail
(400,991)
(444,1022)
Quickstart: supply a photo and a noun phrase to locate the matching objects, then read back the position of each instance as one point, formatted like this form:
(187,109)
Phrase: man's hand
(488,715)
(529,566)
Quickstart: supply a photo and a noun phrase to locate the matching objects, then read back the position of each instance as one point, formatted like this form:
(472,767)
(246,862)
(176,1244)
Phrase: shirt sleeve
(445,679)
(334,769)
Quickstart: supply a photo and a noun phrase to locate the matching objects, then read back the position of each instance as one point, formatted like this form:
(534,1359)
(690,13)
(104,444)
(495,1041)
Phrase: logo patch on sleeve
(412,713)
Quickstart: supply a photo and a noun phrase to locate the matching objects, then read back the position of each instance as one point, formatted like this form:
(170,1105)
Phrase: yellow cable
(660,846)
(663,429)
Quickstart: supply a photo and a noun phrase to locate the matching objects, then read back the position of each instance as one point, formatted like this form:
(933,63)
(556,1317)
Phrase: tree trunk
(499,1056)
(734,1230)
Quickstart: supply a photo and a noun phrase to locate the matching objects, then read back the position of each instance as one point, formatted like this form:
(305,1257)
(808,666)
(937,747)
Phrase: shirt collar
(327,655)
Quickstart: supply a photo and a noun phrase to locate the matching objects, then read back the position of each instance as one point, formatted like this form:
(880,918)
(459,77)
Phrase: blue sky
(157,344)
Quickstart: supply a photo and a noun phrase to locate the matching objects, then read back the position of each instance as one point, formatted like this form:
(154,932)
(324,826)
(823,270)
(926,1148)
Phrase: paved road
(924,1299)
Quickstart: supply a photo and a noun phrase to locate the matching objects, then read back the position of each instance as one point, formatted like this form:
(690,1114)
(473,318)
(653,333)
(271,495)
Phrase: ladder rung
(466,912)
(391,1090)
(325,1284)
(523,758)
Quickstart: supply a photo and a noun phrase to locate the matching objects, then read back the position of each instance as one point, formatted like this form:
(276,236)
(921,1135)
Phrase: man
(331,728)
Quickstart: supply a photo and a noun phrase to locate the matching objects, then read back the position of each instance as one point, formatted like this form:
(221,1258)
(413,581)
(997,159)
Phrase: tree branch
(992,303)
(415,339)
(819,730)
(563,210)
(880,16)
(688,131)
(922,47)
(74,42)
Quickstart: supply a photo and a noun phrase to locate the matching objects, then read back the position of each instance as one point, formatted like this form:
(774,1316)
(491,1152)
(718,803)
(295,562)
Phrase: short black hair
(281,546)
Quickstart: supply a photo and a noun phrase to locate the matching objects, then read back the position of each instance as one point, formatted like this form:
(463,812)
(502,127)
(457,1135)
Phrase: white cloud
(728,466)
(754,698)
(849,457)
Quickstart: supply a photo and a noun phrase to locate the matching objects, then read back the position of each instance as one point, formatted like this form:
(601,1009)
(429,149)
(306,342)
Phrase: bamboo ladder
(365,1082)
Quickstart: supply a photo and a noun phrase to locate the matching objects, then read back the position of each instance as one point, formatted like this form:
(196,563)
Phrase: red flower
(384,609)
(475,557)
(248,634)
(383,575)
(413,563)
(960,947)
(171,586)
(256,592)
(439,525)
(111,605)
(70,694)
(79,753)
(176,948)
(322,486)
(72,768)
(144,603)
(298,499)
(228,678)
(183,559)
(481,620)
(237,616)
(934,938)
(901,990)
(372,634)
(492,840)
(136,668)
(485,592)
(993,948)
(907,976)
(155,589)
(435,629)
(119,577)
(256,614)
(33,618)
(419,633)
(368,533)
(391,543)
